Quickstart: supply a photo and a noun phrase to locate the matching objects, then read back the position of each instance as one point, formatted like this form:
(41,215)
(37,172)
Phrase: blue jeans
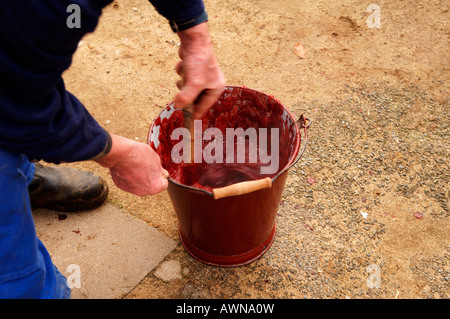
(26,269)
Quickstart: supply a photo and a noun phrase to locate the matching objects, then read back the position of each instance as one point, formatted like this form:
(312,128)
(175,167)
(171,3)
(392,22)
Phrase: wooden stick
(188,113)
(242,188)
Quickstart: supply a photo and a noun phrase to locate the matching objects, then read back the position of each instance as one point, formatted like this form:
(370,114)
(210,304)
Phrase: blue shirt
(38,116)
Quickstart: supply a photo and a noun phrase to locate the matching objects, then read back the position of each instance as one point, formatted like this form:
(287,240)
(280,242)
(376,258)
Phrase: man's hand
(135,167)
(202,80)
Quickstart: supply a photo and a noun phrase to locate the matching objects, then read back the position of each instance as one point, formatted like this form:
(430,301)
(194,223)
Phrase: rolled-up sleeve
(179,10)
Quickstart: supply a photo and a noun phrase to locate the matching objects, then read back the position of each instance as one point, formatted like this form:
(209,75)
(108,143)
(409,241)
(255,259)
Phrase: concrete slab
(104,253)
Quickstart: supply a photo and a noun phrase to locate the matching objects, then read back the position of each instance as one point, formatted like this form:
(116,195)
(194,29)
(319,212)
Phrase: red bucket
(233,224)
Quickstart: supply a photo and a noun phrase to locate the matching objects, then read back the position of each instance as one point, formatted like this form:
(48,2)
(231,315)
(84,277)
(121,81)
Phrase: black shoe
(66,189)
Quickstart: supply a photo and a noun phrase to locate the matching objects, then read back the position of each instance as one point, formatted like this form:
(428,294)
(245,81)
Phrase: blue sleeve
(38,117)
(179,10)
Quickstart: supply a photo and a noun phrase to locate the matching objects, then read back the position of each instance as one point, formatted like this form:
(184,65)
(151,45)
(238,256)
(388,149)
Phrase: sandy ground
(367,201)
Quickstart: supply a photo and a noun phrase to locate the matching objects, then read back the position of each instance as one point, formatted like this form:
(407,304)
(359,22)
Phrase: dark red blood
(244,109)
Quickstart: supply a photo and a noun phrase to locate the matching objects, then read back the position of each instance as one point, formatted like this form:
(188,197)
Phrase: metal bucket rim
(294,157)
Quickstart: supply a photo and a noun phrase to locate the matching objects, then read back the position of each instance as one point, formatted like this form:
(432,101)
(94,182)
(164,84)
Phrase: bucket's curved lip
(293,158)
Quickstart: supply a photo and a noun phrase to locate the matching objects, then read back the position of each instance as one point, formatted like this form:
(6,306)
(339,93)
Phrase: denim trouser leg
(26,269)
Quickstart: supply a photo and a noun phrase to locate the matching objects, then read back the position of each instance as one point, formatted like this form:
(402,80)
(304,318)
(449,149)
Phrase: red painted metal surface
(236,230)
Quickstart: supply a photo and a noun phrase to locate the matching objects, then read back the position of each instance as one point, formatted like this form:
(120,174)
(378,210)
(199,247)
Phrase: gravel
(351,230)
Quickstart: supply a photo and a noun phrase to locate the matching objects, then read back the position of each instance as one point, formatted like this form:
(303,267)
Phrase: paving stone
(104,253)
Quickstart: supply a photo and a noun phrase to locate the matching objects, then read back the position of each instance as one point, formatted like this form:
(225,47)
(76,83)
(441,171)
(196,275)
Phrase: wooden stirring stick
(188,116)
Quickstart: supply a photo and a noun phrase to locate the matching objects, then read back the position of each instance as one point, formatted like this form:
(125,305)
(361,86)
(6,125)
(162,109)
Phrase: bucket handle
(303,123)
(242,188)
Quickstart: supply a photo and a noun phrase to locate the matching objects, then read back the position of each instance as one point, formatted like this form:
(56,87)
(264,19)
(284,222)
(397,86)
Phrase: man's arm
(135,167)
(38,117)
(202,79)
